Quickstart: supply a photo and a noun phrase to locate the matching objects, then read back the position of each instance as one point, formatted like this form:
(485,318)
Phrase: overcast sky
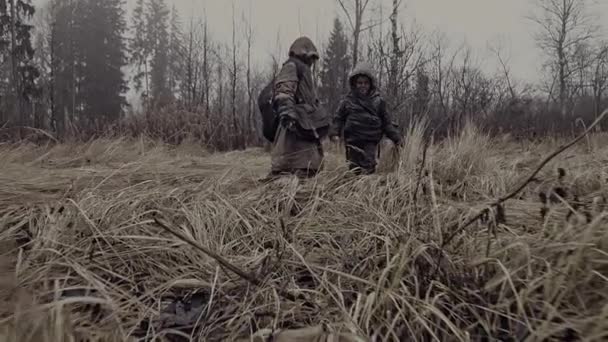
(476,21)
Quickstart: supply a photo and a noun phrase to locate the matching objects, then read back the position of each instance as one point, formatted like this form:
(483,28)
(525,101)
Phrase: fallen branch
(36,130)
(457,229)
(246,276)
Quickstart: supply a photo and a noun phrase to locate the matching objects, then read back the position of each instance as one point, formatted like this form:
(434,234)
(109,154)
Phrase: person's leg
(306,173)
(361,156)
(355,156)
(369,161)
(294,155)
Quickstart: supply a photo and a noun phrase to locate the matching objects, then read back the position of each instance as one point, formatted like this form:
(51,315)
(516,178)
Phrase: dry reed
(82,257)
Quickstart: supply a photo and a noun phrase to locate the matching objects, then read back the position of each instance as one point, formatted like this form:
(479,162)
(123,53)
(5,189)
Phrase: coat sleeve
(285,87)
(389,127)
(339,120)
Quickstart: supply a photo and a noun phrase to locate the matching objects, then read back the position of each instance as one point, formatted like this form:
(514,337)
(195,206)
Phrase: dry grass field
(84,257)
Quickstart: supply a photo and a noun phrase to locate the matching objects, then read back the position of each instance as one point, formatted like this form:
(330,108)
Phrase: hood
(365,69)
(303,47)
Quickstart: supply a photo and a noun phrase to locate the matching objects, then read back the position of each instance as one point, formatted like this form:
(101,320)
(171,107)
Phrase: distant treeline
(66,68)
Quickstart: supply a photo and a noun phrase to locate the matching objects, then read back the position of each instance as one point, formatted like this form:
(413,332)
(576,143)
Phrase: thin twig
(456,230)
(37,130)
(246,276)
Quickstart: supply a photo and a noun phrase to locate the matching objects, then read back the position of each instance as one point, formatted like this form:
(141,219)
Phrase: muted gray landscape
(416,170)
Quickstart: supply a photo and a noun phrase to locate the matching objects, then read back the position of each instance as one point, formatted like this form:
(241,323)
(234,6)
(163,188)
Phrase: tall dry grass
(83,258)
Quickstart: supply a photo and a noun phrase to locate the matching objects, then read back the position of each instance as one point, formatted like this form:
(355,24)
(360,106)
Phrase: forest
(67,67)
(135,203)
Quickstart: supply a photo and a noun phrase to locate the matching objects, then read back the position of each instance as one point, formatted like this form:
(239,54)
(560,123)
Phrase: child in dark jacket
(362,120)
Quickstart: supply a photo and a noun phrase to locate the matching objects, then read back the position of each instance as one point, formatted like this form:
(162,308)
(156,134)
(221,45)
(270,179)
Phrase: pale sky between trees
(473,21)
(477,21)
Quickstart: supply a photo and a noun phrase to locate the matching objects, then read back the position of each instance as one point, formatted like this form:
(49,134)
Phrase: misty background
(475,22)
(192,69)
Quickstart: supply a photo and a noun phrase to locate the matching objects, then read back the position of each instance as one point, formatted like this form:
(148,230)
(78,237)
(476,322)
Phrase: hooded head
(362,80)
(304,49)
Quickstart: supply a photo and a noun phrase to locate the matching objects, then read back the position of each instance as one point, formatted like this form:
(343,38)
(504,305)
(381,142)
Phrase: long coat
(304,122)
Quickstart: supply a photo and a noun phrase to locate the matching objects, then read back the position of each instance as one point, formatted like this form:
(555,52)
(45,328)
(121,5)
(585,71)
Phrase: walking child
(363,120)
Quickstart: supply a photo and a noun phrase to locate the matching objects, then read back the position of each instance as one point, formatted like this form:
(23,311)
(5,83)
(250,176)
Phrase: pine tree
(42,60)
(17,53)
(336,65)
(103,53)
(157,22)
(140,49)
(63,64)
(176,53)
(88,53)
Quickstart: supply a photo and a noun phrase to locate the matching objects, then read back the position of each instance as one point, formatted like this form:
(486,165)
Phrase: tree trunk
(355,47)
(237,133)
(191,89)
(57,121)
(562,82)
(14,76)
(206,69)
(250,122)
(394,69)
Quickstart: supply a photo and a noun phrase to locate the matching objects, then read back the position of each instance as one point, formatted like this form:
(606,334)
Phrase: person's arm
(389,128)
(285,87)
(339,120)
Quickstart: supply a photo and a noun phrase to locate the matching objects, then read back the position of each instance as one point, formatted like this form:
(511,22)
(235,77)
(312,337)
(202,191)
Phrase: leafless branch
(456,229)
(244,275)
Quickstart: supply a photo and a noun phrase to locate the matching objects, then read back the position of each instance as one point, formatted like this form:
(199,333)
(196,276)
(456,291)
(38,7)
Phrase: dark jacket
(364,118)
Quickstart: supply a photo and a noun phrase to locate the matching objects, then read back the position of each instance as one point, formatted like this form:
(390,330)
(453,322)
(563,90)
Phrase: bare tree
(599,81)
(498,50)
(14,75)
(379,45)
(220,82)
(582,60)
(355,12)
(249,39)
(43,59)
(190,87)
(206,67)
(396,53)
(463,87)
(563,24)
(234,75)
(441,68)
(399,54)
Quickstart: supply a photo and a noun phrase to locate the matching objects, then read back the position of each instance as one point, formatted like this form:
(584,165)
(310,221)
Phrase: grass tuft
(82,257)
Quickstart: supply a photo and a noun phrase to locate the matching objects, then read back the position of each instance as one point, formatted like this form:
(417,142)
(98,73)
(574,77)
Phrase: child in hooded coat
(363,120)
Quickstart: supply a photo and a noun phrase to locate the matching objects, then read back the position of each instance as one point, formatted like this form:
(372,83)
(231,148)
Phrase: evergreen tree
(335,68)
(140,49)
(103,55)
(176,53)
(63,64)
(18,73)
(88,53)
(157,22)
